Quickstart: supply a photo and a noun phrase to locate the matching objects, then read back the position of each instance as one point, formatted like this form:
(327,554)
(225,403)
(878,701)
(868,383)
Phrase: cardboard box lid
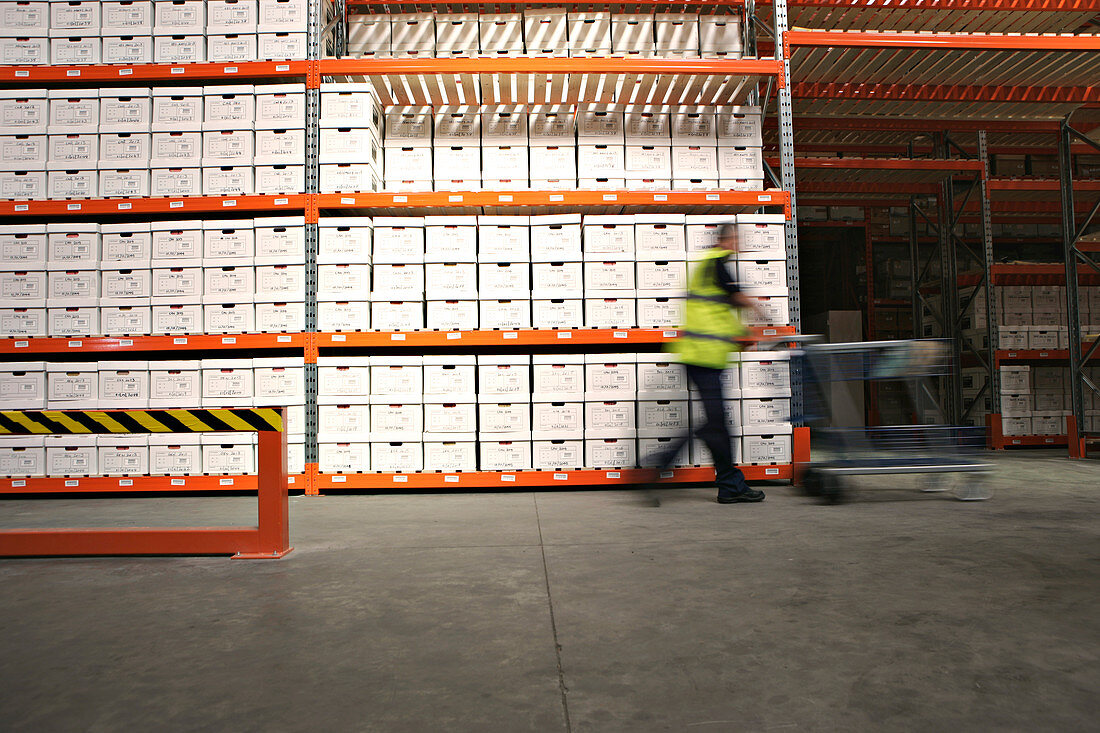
(123,366)
(228,89)
(125,228)
(409,361)
(279,362)
(448,360)
(280,89)
(227,363)
(390,222)
(558,359)
(343,361)
(351,222)
(73,366)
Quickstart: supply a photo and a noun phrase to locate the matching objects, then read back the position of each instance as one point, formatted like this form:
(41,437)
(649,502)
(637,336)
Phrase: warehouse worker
(712,325)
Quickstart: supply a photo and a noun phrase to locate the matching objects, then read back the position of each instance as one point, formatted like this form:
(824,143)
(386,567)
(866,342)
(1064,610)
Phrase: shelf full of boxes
(603,270)
(1032,354)
(145,120)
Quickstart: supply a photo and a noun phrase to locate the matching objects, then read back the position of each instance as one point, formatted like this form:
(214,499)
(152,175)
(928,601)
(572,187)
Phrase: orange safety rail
(972,41)
(130,73)
(155,205)
(518,337)
(138,484)
(269,539)
(81,345)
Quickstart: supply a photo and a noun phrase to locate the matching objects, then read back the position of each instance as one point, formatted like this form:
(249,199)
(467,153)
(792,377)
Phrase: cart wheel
(933,483)
(832,490)
(811,482)
(966,491)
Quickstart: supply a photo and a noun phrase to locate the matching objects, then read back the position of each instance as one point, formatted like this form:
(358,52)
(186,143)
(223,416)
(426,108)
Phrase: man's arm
(738,299)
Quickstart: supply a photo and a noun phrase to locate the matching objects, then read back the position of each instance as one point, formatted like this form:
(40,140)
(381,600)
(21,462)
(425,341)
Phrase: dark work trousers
(714,433)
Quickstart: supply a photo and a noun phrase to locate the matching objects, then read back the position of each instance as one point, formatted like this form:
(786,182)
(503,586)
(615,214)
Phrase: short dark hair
(728,231)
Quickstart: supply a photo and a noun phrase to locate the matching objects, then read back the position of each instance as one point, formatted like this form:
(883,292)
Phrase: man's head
(727,236)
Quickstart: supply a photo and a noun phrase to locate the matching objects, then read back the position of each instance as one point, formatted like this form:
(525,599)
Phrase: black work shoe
(748,495)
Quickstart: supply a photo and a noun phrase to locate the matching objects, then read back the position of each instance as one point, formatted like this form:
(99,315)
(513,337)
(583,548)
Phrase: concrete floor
(580,611)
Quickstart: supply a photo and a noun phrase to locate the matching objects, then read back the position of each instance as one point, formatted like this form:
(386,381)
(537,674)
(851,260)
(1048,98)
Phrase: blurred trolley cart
(935,451)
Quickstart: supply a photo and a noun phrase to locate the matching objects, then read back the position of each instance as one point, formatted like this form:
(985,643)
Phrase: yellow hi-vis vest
(711,323)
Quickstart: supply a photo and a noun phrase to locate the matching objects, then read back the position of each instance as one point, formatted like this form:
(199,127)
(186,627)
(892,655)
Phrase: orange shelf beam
(152,343)
(892,164)
(556,65)
(967,41)
(130,73)
(1072,6)
(563,479)
(519,337)
(155,205)
(884,91)
(136,484)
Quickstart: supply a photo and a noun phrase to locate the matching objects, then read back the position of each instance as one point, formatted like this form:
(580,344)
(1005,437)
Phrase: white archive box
(557,377)
(760,237)
(589,32)
(343,282)
(74,321)
(228,284)
(505,455)
(73,111)
(279,179)
(411,32)
(280,283)
(450,455)
(504,279)
(231,16)
(280,240)
(610,376)
(740,162)
(75,17)
(343,380)
(345,240)
(450,239)
(501,34)
(661,377)
(447,280)
(227,147)
(505,163)
(177,243)
(25,51)
(72,385)
(739,126)
(663,278)
(125,110)
(1016,379)
(342,422)
(172,17)
(503,239)
(408,127)
(227,181)
(23,289)
(556,238)
(396,456)
(609,312)
(177,109)
(653,451)
(227,382)
(352,178)
(762,277)
(71,455)
(279,147)
(504,420)
(127,49)
(504,314)
(123,384)
(398,282)
(766,449)
(450,418)
(228,453)
(765,374)
(398,240)
(26,322)
(351,145)
(559,161)
(503,378)
(280,106)
(72,246)
(766,415)
(557,280)
(396,315)
(663,418)
(24,152)
(73,288)
(179,49)
(126,320)
(609,279)
(343,457)
(228,241)
(557,420)
(343,316)
(280,317)
(450,378)
(677,34)
(554,455)
(397,378)
(124,183)
(396,421)
(545,31)
(282,15)
(774,310)
(451,315)
(231,107)
(72,184)
(457,126)
(126,17)
(176,454)
(694,128)
(610,419)
(557,313)
(24,19)
(647,128)
(596,162)
(280,46)
(609,452)
(125,150)
(279,381)
(455,167)
(351,105)
(551,125)
(504,125)
(130,243)
(23,456)
(690,163)
(370,35)
(125,287)
(23,385)
(608,237)
(648,163)
(731,408)
(720,36)
(694,184)
(74,50)
(229,318)
(702,232)
(21,185)
(659,237)
(24,112)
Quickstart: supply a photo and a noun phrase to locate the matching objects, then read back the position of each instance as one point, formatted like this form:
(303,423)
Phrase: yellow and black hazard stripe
(44,422)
